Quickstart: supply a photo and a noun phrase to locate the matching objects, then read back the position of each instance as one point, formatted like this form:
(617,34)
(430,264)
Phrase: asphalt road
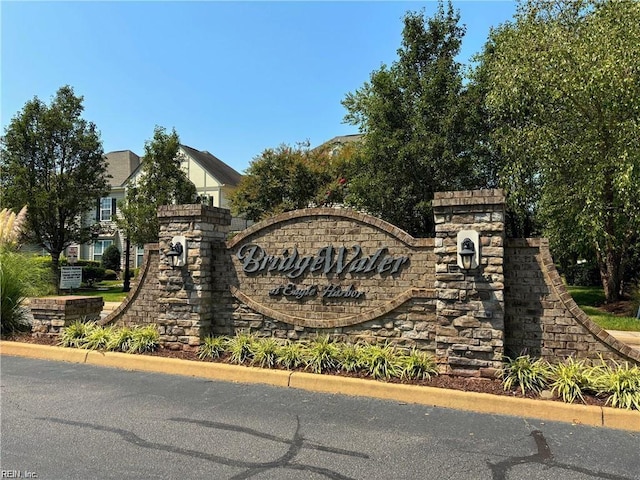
(71,421)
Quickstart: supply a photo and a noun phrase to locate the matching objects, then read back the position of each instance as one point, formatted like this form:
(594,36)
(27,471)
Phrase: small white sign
(72,254)
(70,277)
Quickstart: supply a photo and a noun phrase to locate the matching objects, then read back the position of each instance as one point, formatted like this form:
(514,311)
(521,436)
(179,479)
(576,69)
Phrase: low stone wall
(542,319)
(51,314)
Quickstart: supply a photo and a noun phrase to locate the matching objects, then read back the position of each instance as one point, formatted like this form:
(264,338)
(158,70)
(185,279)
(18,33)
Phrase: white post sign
(70,277)
(72,254)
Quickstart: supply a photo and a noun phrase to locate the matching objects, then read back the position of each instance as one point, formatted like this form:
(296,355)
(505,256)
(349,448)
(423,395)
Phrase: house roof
(216,167)
(120,165)
(343,140)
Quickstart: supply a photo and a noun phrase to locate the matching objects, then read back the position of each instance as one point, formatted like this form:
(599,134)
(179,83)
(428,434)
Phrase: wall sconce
(176,254)
(468,249)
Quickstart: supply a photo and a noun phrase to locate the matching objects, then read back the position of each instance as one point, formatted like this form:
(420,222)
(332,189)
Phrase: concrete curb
(437,397)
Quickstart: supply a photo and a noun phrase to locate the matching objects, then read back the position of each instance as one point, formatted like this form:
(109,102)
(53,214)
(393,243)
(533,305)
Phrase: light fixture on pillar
(468,251)
(176,254)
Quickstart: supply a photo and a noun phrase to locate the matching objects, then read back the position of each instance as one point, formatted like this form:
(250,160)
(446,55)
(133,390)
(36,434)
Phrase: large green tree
(161,182)
(287,178)
(413,117)
(565,92)
(53,162)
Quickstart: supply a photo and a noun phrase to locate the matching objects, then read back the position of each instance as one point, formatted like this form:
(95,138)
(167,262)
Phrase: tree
(111,258)
(53,162)
(412,115)
(565,91)
(161,182)
(287,178)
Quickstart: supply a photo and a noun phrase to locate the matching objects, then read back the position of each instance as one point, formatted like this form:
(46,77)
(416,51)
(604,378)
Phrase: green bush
(349,357)
(381,361)
(75,334)
(121,339)
(265,352)
(144,339)
(292,355)
(569,379)
(110,275)
(92,274)
(111,258)
(621,385)
(241,348)
(98,338)
(322,355)
(418,365)
(530,375)
(584,274)
(21,276)
(212,347)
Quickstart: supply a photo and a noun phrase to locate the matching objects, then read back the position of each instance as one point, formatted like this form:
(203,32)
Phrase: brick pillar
(185,300)
(470,304)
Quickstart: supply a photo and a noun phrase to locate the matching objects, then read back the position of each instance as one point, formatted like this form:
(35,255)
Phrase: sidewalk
(108,308)
(629,338)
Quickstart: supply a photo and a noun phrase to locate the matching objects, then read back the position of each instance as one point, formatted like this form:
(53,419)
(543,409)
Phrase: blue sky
(233,78)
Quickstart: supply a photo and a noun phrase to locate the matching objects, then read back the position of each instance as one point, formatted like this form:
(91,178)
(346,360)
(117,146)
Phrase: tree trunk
(611,271)
(55,267)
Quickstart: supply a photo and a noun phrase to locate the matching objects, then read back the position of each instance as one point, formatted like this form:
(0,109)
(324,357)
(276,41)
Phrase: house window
(139,256)
(99,247)
(106,209)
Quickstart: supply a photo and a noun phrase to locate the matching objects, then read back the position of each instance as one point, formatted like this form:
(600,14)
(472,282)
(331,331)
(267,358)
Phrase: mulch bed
(465,384)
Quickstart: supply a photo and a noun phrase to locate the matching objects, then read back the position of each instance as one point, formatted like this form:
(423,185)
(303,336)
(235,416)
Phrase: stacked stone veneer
(541,318)
(186,303)
(397,307)
(51,314)
(470,305)
(141,307)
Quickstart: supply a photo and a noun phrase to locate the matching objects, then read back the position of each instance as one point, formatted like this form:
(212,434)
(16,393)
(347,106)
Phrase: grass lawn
(590,298)
(109,290)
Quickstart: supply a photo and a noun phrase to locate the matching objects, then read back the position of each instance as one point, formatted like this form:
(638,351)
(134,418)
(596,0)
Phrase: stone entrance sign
(354,277)
(328,268)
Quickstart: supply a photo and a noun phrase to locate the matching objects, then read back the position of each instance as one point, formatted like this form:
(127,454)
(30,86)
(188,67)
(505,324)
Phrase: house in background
(214,181)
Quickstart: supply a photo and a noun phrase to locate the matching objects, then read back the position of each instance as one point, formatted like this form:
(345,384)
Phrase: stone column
(185,298)
(470,304)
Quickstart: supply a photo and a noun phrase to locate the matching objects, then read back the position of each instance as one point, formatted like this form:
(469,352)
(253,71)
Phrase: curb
(590,415)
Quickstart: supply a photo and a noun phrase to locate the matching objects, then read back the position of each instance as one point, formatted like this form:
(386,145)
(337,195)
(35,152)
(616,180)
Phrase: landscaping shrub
(144,339)
(111,258)
(110,275)
(569,379)
(292,355)
(322,355)
(21,276)
(92,274)
(418,365)
(349,356)
(241,348)
(265,352)
(75,334)
(125,339)
(98,338)
(121,339)
(380,361)
(621,385)
(530,375)
(212,347)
